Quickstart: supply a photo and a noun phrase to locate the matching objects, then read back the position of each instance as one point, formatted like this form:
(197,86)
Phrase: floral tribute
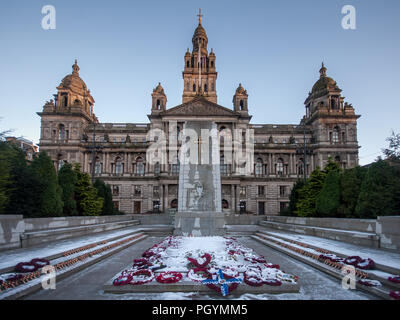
(169,277)
(395,295)
(221,263)
(223,283)
(395,279)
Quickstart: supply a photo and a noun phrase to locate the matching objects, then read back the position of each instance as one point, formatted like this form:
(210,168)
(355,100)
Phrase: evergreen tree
(104,191)
(7,154)
(294,197)
(47,189)
(350,184)
(88,201)
(67,179)
(24,197)
(328,200)
(380,191)
(308,194)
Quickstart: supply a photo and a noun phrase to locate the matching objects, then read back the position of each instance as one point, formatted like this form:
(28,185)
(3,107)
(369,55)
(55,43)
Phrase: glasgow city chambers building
(118,153)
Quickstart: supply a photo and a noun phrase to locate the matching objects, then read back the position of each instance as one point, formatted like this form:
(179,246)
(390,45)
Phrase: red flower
(169,277)
(205,256)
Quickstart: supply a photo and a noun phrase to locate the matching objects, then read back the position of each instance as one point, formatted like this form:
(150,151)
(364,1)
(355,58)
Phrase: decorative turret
(159,99)
(240,100)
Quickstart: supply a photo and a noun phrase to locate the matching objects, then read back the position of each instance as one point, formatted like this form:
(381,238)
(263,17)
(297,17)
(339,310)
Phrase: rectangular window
(116,205)
(243,191)
(283,206)
(261,191)
(115,190)
(156,191)
(282,191)
(138,190)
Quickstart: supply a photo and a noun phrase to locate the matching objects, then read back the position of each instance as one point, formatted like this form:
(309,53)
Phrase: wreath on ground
(40,263)
(206,257)
(195,274)
(360,263)
(272,282)
(369,283)
(123,280)
(395,295)
(169,277)
(231,287)
(395,279)
(141,264)
(272,266)
(25,267)
(141,277)
(253,278)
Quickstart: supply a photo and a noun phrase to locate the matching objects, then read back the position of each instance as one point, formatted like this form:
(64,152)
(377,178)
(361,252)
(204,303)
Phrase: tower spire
(200,15)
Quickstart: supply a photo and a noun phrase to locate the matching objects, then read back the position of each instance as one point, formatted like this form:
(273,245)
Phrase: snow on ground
(224,253)
(379,256)
(11,258)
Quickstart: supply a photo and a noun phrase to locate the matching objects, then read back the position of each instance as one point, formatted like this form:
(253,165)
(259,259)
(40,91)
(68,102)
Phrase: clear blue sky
(274,48)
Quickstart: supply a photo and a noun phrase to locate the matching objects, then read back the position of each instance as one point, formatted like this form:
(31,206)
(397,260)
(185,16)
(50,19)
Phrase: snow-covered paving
(379,256)
(183,254)
(13,257)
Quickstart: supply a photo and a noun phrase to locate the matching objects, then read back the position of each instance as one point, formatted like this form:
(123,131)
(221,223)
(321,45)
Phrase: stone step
(28,239)
(348,236)
(380,292)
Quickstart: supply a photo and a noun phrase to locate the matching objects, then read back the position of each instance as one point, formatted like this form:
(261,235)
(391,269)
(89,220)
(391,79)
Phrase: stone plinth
(199,224)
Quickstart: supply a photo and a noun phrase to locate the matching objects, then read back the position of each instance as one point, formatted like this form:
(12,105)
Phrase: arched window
(139,166)
(212,64)
(279,166)
(205,88)
(187,64)
(335,135)
(97,168)
(158,104)
(119,167)
(65,101)
(259,167)
(61,132)
(157,168)
(241,105)
(212,86)
(194,88)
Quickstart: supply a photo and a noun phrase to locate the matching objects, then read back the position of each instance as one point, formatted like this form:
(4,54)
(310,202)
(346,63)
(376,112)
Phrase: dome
(324,83)
(159,89)
(200,32)
(241,90)
(73,81)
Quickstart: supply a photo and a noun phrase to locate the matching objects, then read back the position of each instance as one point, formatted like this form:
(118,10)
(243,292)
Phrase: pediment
(199,106)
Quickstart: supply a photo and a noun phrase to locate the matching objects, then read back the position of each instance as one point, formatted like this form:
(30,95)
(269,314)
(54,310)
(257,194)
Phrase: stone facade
(70,132)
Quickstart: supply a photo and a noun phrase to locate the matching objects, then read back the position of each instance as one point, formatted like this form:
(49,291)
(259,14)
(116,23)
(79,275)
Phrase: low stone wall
(153,218)
(243,219)
(11,228)
(41,224)
(17,232)
(388,229)
(361,225)
(383,232)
